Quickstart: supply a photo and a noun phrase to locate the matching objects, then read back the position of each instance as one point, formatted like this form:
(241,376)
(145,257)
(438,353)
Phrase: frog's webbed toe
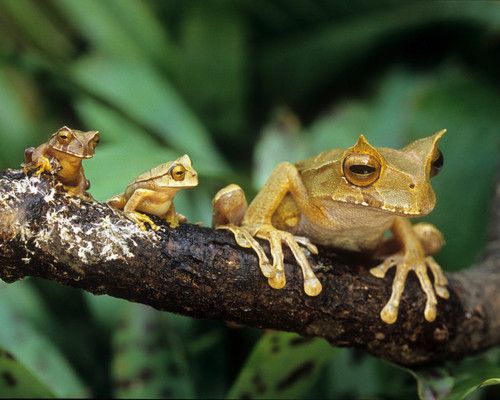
(404,263)
(246,240)
(141,220)
(40,166)
(276,238)
(312,285)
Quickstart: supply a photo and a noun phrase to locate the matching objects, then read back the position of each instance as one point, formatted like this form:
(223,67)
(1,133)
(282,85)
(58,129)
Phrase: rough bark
(201,272)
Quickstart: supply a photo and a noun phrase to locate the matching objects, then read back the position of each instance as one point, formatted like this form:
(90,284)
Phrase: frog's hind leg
(117,201)
(134,203)
(229,206)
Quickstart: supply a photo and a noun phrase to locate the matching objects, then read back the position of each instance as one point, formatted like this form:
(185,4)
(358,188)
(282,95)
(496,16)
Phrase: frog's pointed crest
(426,146)
(184,160)
(64,128)
(363,147)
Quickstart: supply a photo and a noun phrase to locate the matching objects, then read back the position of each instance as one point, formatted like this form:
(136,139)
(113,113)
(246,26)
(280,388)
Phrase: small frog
(346,198)
(63,154)
(153,192)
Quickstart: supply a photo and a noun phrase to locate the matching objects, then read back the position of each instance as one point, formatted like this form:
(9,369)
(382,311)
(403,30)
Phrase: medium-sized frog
(63,155)
(346,198)
(153,193)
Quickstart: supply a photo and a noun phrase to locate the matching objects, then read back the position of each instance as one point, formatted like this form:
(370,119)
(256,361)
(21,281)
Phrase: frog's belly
(349,228)
(159,209)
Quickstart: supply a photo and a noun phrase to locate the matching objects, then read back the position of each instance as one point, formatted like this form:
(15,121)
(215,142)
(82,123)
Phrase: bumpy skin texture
(346,198)
(63,155)
(153,193)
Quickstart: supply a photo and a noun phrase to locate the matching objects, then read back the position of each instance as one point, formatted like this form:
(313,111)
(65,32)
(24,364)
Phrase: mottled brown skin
(153,193)
(63,155)
(346,198)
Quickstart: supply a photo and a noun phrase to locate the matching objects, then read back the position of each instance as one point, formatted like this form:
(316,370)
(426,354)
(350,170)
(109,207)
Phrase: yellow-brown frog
(63,154)
(153,193)
(346,198)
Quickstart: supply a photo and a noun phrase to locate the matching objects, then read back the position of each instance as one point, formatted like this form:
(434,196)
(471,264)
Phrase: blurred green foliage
(240,85)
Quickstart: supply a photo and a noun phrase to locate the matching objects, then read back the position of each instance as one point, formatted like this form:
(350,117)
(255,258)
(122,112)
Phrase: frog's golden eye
(436,162)
(178,173)
(361,169)
(64,136)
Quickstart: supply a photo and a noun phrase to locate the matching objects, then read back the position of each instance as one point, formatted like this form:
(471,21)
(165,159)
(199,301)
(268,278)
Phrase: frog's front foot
(141,220)
(275,272)
(42,165)
(404,263)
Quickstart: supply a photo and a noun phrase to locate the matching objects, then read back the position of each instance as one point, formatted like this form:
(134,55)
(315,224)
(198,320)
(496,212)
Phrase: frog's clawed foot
(275,272)
(404,263)
(141,220)
(42,165)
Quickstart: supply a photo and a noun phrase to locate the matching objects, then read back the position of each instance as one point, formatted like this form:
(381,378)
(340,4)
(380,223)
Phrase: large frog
(63,155)
(153,193)
(346,198)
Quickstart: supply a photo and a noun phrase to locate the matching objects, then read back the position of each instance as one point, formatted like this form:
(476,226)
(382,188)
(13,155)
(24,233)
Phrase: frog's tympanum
(346,198)
(153,193)
(63,155)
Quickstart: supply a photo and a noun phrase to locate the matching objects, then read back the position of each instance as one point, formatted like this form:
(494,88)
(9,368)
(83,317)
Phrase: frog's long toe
(440,280)
(389,313)
(278,279)
(380,270)
(246,240)
(141,220)
(405,264)
(312,285)
(430,305)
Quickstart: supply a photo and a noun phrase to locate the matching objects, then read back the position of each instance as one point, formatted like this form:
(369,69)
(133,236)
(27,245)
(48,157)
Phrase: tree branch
(203,273)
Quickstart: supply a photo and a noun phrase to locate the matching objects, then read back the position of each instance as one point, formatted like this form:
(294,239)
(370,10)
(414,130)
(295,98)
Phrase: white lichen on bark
(60,232)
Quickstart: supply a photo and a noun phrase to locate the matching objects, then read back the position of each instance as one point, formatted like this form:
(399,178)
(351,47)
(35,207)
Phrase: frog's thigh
(431,238)
(229,206)
(136,199)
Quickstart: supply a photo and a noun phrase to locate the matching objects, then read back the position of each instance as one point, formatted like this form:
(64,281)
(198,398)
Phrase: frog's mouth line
(70,153)
(386,210)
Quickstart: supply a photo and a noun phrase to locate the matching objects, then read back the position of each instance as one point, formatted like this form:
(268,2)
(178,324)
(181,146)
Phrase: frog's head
(181,174)
(75,143)
(395,181)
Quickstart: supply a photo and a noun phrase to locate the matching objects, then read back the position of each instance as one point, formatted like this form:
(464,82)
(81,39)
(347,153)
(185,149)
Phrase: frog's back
(146,180)
(324,158)
(153,173)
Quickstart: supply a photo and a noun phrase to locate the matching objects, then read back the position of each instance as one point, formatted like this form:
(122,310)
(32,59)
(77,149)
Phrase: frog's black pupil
(362,169)
(437,164)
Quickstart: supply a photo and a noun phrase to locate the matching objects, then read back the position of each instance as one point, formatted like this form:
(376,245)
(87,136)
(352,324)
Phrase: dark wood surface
(201,272)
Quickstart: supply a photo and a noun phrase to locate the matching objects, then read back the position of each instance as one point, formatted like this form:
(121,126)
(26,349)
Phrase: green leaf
(298,65)
(457,380)
(139,91)
(211,66)
(38,27)
(281,140)
(282,365)
(349,367)
(36,352)
(16,381)
(148,360)
(124,28)
(18,116)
